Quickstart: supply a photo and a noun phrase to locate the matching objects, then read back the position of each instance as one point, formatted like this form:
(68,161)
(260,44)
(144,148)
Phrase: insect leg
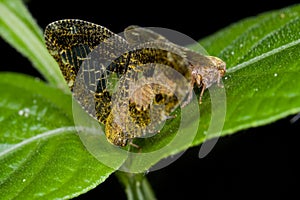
(201,93)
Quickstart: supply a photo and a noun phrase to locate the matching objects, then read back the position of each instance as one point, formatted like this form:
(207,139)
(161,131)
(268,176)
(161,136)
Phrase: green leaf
(20,30)
(263,60)
(262,83)
(41,155)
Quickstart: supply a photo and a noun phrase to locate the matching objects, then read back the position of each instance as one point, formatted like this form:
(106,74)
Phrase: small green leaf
(20,30)
(41,155)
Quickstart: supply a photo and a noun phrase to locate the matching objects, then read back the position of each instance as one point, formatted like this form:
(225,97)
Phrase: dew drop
(255,89)
(24,180)
(282,15)
(232,53)
(227,77)
(24,112)
(275,74)
(21,112)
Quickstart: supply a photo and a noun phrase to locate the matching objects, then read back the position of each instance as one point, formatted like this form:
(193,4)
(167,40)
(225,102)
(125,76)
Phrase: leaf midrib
(262,56)
(62,130)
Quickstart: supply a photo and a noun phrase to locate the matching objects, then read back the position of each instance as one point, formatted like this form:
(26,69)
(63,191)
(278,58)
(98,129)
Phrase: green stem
(136,186)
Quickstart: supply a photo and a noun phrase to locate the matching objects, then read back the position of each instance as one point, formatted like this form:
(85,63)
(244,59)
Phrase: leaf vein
(263,56)
(37,137)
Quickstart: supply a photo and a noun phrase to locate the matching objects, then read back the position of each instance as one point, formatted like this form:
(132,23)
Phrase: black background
(254,163)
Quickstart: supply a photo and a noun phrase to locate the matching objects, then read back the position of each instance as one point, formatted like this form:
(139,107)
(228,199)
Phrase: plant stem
(136,186)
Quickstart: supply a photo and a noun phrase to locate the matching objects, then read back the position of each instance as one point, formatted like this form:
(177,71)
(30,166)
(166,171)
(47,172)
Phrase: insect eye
(159,98)
(222,72)
(199,77)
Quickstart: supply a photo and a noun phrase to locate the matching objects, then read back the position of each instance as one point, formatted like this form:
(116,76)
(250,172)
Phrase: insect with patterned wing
(92,59)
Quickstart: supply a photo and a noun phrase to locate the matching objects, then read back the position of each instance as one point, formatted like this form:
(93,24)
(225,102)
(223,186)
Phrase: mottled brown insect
(93,59)
(205,70)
